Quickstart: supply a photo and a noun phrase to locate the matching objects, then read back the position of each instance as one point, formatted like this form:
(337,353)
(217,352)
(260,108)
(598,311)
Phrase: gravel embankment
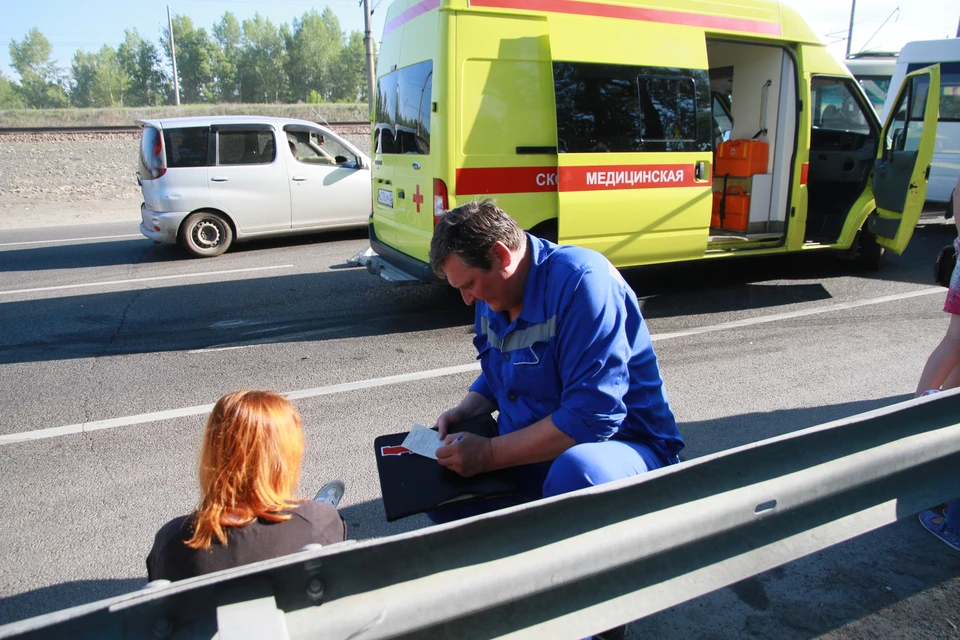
(57,179)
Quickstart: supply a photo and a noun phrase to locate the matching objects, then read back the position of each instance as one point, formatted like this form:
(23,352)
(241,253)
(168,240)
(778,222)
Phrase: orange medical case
(742,157)
(736,211)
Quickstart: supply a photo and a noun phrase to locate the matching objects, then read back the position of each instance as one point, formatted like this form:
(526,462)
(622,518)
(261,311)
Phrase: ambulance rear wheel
(546,230)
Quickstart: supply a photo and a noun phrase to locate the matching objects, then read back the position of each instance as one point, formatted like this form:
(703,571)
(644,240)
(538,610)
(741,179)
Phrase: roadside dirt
(68,179)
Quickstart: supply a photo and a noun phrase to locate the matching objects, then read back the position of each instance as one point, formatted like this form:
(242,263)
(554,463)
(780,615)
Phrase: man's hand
(472,404)
(446,419)
(466,454)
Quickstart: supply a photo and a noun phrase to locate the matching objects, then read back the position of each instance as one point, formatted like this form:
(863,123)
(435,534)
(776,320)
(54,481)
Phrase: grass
(335,112)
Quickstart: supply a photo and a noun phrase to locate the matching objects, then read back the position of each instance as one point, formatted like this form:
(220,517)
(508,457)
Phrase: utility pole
(853,8)
(173,57)
(368,44)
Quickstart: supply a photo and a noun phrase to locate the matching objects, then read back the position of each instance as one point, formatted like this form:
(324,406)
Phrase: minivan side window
(608,107)
(403,110)
(187,147)
(246,147)
(949,89)
(312,147)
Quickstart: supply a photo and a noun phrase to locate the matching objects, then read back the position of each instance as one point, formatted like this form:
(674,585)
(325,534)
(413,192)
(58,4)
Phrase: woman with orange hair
(249,472)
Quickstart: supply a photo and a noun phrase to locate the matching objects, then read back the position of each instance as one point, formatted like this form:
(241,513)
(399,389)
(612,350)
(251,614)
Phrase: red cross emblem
(418,198)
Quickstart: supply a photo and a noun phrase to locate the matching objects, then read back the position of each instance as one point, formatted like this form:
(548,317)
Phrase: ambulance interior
(754,89)
(754,108)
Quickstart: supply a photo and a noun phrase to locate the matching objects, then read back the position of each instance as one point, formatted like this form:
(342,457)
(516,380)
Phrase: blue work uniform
(581,352)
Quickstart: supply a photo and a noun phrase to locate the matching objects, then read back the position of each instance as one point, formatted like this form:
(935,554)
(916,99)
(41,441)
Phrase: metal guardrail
(573,565)
(133,128)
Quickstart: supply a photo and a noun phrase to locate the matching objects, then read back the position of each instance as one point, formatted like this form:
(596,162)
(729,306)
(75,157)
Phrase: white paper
(423,440)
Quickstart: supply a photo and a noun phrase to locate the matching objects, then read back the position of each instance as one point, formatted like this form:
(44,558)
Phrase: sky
(70,25)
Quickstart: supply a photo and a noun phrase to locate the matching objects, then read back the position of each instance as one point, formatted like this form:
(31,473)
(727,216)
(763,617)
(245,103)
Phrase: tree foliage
(147,83)
(40,85)
(9,96)
(254,61)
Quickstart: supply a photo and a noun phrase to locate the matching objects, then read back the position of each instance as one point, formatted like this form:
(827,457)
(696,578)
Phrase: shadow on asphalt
(710,436)
(82,255)
(64,595)
(349,303)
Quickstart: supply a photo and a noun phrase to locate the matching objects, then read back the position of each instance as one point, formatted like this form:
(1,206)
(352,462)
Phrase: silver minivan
(210,181)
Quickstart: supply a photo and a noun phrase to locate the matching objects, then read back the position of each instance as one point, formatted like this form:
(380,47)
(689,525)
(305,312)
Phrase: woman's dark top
(310,522)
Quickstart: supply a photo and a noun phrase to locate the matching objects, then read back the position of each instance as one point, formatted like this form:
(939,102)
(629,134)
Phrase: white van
(209,181)
(945,168)
(873,71)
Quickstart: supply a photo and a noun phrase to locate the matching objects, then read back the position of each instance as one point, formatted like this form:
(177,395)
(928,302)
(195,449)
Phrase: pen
(459,438)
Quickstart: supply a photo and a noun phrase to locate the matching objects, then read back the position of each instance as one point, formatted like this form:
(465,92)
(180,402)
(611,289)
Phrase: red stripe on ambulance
(639,176)
(633,13)
(804,172)
(500,180)
(506,180)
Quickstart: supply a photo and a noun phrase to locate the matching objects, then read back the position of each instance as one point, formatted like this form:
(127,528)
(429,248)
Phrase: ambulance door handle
(700,170)
(400,193)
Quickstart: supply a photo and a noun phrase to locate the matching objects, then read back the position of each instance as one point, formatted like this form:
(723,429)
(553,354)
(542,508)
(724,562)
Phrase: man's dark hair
(470,231)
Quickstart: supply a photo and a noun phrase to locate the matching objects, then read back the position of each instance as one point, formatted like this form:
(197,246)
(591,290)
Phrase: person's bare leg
(944,359)
(953,380)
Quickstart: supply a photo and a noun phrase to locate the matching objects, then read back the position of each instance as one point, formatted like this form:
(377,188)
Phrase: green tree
(261,68)
(228,35)
(195,60)
(9,94)
(40,84)
(348,73)
(83,73)
(141,62)
(312,51)
(99,80)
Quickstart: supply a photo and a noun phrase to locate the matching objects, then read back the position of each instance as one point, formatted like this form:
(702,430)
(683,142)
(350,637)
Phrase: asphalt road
(99,327)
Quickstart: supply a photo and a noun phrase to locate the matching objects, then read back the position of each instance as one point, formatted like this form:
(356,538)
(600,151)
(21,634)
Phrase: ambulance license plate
(385,197)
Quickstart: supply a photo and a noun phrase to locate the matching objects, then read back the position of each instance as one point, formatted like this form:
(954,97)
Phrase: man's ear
(502,253)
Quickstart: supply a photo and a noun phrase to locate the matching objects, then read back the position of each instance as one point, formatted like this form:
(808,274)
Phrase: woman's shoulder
(176,529)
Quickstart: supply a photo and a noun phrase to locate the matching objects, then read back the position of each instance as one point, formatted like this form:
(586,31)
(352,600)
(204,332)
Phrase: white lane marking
(736,324)
(112,423)
(152,279)
(17,244)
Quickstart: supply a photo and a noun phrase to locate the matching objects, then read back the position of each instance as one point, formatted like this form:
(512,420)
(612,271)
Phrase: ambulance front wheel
(869,252)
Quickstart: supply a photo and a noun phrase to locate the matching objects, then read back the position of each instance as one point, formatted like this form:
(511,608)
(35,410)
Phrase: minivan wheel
(204,234)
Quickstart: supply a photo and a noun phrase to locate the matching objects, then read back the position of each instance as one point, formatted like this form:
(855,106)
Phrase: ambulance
(705,130)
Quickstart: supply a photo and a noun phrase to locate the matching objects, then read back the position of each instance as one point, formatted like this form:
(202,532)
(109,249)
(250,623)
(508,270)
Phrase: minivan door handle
(219,178)
(299,178)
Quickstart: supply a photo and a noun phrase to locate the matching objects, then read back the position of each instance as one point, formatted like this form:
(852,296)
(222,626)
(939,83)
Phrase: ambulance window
(386,111)
(907,127)
(835,106)
(403,110)
(603,107)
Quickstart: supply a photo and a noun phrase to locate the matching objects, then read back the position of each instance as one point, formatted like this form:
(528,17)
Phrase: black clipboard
(412,484)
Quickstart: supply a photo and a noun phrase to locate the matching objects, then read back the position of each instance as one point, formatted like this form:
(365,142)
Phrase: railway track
(129,128)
